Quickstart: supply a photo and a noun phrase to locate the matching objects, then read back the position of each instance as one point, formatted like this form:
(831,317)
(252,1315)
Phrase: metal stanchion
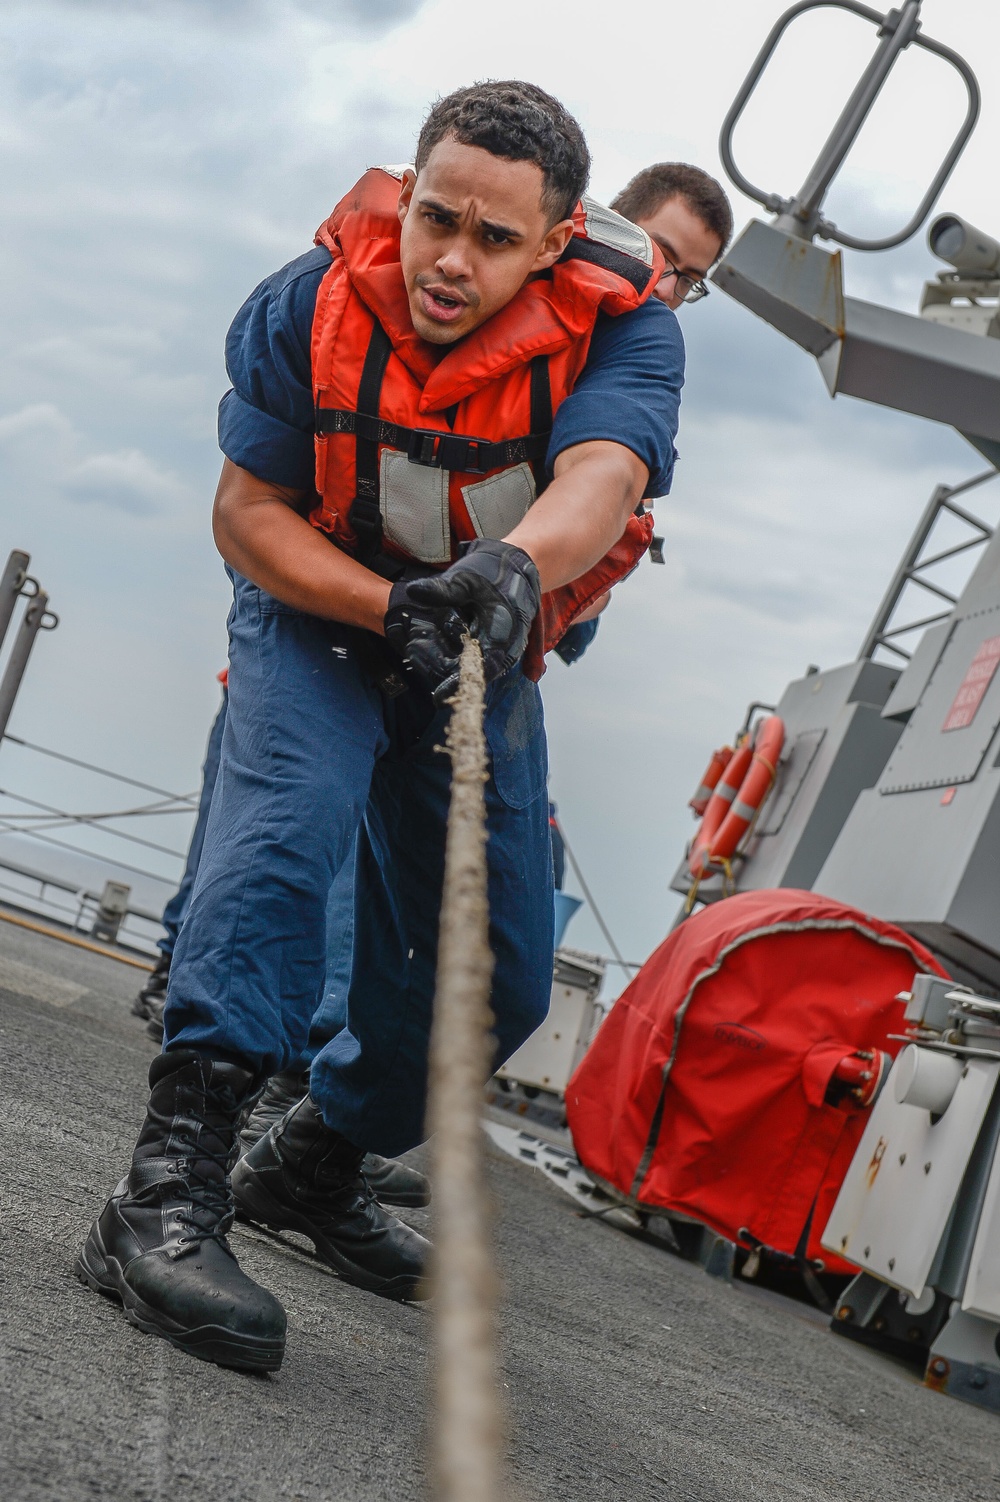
(36,618)
(12,584)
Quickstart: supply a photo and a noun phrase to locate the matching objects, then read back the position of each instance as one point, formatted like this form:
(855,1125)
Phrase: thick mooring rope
(467,1419)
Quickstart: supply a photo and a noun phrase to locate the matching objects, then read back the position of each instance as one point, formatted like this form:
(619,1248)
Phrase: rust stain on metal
(834,282)
(876,1162)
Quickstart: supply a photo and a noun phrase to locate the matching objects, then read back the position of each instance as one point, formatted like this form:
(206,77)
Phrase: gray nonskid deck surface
(629,1374)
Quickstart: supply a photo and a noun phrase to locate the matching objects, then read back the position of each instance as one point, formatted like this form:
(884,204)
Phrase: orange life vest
(417,452)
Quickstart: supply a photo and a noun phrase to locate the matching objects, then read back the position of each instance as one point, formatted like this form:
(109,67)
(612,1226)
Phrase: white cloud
(37,423)
(125,481)
(41,447)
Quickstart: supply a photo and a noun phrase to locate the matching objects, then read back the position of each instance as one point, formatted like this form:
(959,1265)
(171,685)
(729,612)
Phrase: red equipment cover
(703,1092)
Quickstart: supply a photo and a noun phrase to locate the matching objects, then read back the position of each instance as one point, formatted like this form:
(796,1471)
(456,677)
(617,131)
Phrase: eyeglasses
(688,289)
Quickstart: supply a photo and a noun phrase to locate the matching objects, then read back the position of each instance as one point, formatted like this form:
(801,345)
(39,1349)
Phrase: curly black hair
(522,123)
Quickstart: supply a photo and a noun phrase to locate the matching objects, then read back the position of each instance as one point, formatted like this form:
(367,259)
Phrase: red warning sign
(972,689)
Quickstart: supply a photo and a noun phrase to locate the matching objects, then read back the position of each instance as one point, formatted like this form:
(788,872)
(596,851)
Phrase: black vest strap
(541,416)
(365,515)
(470,456)
(453,451)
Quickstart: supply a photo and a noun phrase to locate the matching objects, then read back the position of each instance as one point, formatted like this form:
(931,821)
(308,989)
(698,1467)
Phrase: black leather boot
(394,1183)
(281,1093)
(303,1177)
(159,1245)
(154,1011)
(154,989)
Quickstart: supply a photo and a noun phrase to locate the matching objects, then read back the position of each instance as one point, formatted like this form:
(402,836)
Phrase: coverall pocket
(515,733)
(268,605)
(252,598)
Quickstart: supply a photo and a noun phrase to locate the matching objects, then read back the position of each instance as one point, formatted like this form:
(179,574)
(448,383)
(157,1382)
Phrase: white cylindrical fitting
(924,1077)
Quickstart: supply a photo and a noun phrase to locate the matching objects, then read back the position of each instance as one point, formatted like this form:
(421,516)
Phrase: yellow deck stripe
(53,933)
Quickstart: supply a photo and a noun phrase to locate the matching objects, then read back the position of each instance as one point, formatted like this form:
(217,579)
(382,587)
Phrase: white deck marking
(26,980)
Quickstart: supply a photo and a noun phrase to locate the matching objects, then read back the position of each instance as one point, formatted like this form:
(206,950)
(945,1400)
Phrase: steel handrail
(62,885)
(89,766)
(47,839)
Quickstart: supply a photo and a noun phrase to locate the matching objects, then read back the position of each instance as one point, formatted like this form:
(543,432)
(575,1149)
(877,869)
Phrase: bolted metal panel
(909,690)
(920,848)
(898,1194)
(927,860)
(801,753)
(865,742)
(929,753)
(903,857)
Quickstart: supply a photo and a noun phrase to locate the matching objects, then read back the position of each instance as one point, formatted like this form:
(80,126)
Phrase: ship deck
(627,1372)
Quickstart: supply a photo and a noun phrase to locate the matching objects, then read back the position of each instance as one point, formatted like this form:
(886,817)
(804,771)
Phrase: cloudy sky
(160,159)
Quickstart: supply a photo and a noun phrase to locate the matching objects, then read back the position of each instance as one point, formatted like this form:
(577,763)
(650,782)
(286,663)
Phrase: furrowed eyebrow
(500,229)
(438,208)
(496,229)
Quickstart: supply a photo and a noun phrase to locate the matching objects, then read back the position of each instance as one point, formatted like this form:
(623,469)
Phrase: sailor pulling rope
(451,448)
(467,1427)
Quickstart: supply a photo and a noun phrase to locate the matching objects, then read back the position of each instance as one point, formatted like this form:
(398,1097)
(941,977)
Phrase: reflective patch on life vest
(413,500)
(609,228)
(496,505)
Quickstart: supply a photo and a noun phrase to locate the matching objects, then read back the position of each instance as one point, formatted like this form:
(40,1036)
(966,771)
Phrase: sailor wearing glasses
(687,215)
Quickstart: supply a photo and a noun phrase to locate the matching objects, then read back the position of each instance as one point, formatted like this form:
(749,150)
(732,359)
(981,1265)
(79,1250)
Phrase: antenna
(800,215)
(914,364)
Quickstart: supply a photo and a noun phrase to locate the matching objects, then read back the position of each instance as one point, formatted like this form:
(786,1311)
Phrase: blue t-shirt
(628,392)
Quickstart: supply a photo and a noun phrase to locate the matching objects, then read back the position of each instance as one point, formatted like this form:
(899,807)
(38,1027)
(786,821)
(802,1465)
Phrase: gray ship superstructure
(887,794)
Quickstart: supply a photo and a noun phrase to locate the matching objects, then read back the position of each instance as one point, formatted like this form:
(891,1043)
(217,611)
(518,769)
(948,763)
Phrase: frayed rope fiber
(468,1421)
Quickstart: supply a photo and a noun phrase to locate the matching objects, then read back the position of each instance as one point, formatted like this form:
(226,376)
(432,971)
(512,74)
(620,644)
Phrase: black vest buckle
(423,447)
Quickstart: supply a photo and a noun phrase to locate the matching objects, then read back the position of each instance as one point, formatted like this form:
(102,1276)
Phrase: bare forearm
(583,512)
(260,536)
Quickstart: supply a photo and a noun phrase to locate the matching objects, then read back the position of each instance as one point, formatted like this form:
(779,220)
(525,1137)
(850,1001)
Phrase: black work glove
(492,593)
(406,621)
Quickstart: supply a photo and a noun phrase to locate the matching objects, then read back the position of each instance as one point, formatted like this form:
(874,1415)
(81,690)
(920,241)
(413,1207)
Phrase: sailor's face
(474,230)
(689,247)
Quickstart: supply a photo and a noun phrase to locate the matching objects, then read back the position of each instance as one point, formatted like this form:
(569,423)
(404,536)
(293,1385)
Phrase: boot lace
(211,1212)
